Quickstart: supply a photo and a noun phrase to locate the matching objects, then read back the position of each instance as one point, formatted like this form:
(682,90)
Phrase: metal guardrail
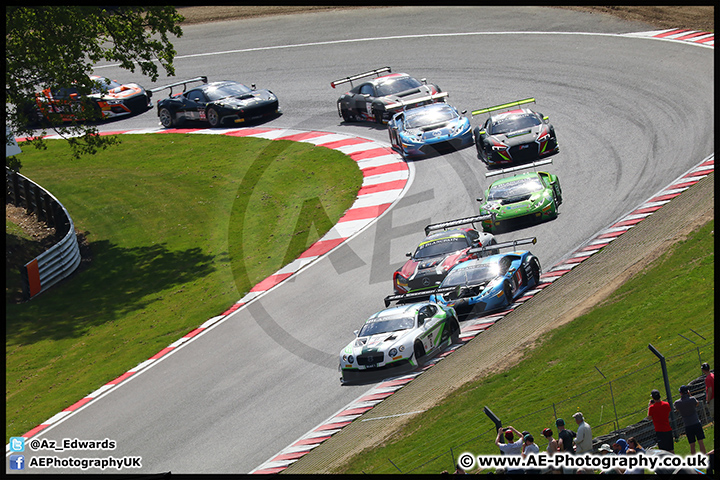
(61,259)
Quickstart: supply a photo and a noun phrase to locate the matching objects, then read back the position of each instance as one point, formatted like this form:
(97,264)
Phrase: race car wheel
(535,270)
(454,330)
(378,115)
(507,291)
(166,118)
(213,117)
(347,115)
(419,351)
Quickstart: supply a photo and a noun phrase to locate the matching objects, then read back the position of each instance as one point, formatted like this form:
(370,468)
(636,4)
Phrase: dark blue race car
(428,129)
(487,284)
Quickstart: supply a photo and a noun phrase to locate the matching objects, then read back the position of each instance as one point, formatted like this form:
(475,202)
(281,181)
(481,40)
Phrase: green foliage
(51,46)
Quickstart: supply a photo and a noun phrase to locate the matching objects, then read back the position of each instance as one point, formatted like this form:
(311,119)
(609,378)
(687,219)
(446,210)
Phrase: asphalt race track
(631,115)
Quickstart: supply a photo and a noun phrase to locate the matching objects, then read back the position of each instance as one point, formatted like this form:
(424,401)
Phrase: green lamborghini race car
(519,199)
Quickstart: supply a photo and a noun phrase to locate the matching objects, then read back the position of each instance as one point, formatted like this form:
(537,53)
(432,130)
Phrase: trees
(51,46)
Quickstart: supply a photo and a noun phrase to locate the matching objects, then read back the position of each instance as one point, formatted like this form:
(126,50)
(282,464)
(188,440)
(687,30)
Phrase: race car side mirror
(479,199)
(252,86)
(408,254)
(424,81)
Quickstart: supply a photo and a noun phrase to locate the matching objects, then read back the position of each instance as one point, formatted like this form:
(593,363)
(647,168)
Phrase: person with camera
(659,412)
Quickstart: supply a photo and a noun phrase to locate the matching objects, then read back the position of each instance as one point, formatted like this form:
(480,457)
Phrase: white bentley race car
(398,339)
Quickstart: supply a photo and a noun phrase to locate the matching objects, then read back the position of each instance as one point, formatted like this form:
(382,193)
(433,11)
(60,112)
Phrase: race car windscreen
(518,188)
(105,85)
(432,115)
(476,274)
(440,247)
(397,84)
(385,325)
(513,123)
(227,90)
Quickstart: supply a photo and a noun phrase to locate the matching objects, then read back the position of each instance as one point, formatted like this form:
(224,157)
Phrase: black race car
(217,103)
(367,100)
(515,135)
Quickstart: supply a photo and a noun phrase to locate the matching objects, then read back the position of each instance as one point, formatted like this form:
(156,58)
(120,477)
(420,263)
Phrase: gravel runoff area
(570,296)
(696,17)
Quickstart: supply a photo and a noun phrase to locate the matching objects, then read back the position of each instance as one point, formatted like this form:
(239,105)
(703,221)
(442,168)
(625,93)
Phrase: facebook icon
(17,462)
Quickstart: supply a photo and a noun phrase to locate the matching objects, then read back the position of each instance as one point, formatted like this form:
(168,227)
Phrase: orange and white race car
(112,98)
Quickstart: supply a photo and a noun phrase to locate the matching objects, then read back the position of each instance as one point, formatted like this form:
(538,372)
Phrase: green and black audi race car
(522,198)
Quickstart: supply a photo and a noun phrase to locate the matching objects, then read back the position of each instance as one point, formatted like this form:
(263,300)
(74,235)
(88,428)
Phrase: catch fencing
(620,401)
(61,259)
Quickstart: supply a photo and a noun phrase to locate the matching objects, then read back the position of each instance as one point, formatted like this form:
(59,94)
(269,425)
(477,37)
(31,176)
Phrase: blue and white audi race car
(429,129)
(488,284)
(397,340)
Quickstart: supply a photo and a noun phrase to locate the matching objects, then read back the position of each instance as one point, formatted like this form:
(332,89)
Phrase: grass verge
(180,227)
(599,364)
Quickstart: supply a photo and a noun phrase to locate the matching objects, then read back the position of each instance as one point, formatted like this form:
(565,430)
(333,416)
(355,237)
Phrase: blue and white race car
(428,129)
(397,340)
(487,284)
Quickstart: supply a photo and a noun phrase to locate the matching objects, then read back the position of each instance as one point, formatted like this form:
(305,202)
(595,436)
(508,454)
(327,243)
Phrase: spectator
(565,437)
(709,389)
(583,440)
(687,407)
(510,448)
(636,470)
(530,448)
(659,412)
(552,443)
(605,449)
(552,448)
(632,443)
(565,442)
(620,446)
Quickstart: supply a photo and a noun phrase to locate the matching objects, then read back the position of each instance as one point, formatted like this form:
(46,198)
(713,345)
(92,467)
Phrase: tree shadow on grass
(117,282)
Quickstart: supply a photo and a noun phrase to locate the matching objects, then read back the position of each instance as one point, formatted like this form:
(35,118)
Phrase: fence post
(673,422)
(612,396)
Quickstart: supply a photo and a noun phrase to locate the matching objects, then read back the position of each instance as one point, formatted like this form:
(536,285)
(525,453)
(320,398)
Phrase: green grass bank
(179,228)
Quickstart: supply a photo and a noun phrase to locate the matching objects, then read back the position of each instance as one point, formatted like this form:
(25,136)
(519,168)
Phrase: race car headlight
(348,358)
(392,352)
(544,138)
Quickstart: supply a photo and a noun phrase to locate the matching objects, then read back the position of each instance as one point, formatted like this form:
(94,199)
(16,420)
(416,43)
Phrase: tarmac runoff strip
(472,328)
(385,178)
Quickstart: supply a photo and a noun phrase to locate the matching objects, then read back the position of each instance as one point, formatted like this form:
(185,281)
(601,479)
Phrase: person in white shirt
(583,440)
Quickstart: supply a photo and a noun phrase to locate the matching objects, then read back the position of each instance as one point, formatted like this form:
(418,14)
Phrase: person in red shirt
(709,389)
(659,412)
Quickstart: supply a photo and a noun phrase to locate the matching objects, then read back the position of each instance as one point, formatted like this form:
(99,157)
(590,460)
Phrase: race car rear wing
(497,246)
(503,106)
(457,222)
(414,297)
(184,83)
(377,72)
(415,101)
(520,167)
